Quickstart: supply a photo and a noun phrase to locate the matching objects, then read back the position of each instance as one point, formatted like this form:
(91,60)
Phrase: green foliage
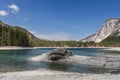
(47,43)
(16,36)
(0,34)
(13,36)
(111,41)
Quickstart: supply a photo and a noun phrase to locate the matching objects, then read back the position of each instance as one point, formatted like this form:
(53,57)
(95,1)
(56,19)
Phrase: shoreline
(19,47)
(42,74)
(14,48)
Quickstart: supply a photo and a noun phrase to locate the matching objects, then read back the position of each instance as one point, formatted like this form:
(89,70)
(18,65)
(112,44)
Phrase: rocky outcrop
(89,38)
(59,53)
(109,27)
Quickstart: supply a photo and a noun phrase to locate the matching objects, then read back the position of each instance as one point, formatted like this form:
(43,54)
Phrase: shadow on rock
(59,53)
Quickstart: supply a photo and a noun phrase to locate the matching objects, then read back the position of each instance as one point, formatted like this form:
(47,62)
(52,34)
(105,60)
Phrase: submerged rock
(59,53)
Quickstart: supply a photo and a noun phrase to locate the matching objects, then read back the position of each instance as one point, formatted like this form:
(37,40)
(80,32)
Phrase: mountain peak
(113,19)
(110,26)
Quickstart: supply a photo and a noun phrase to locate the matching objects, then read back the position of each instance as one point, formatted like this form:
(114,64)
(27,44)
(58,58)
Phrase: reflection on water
(18,60)
(58,66)
(78,68)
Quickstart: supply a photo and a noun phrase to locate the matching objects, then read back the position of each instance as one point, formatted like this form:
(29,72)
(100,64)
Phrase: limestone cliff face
(89,38)
(109,27)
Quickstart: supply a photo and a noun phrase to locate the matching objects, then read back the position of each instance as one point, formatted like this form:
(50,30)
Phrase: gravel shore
(55,75)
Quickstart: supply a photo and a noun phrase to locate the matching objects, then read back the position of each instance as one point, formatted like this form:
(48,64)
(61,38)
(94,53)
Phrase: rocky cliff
(111,26)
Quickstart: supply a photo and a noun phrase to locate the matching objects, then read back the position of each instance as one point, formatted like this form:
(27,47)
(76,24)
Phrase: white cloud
(54,36)
(3,13)
(14,8)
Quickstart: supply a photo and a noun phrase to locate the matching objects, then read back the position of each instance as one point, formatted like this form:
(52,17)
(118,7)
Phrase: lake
(19,60)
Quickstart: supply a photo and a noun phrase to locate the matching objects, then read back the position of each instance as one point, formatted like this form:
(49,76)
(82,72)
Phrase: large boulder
(59,53)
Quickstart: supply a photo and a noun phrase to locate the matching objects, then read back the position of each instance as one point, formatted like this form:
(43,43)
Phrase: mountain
(15,36)
(107,36)
(109,28)
(112,41)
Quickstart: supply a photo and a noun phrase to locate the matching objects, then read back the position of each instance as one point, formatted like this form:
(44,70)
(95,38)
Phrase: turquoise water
(18,60)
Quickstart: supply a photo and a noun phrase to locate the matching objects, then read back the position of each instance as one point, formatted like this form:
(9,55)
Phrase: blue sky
(59,19)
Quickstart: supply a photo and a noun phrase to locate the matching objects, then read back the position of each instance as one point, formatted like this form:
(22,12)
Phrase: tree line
(108,42)
(48,43)
(15,36)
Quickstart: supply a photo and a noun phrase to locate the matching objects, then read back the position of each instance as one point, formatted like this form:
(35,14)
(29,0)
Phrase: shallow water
(18,60)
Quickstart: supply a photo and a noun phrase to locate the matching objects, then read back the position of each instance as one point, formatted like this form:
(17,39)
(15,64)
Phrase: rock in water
(59,53)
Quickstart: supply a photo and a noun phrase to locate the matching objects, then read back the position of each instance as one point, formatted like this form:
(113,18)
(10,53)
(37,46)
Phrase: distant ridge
(15,36)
